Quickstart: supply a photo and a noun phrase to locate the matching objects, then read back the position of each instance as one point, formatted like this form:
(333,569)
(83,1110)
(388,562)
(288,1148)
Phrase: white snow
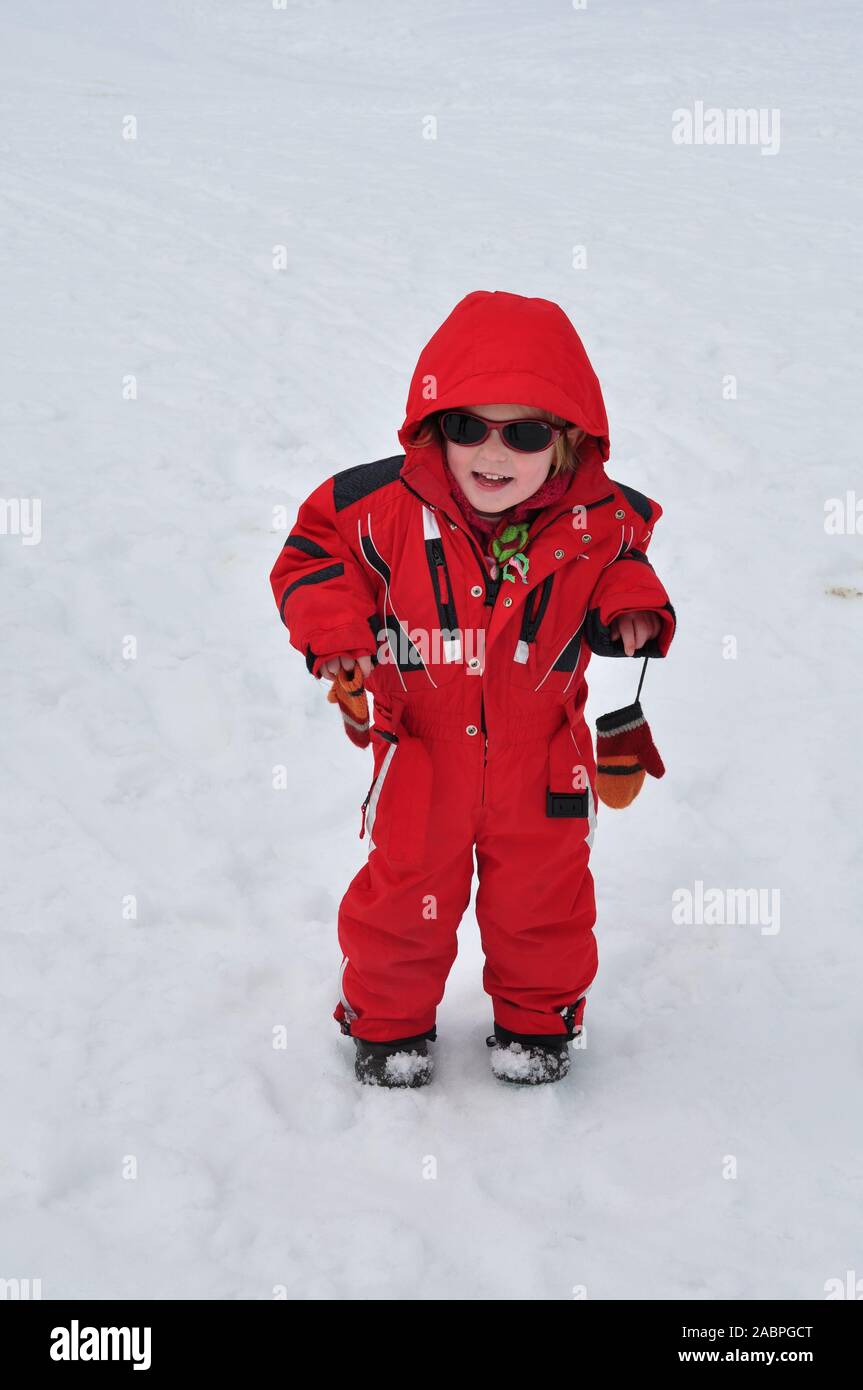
(405,1068)
(529,1066)
(180,1116)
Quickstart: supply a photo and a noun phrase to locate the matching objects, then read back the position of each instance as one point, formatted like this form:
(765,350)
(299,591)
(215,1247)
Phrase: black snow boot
(400,1062)
(528,1059)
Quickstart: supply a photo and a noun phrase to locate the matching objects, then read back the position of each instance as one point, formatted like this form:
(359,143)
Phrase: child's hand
(634,629)
(331,668)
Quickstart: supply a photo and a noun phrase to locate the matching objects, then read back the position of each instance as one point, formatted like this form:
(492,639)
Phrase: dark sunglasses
(525,436)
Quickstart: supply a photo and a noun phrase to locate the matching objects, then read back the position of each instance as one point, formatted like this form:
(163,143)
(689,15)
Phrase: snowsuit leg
(535,902)
(436,795)
(399,917)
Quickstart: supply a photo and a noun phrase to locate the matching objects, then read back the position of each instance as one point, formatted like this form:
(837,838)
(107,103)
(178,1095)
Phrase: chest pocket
(444,646)
(546,654)
(448,650)
(422,644)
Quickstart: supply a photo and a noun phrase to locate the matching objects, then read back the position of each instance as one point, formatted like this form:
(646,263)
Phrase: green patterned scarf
(508,551)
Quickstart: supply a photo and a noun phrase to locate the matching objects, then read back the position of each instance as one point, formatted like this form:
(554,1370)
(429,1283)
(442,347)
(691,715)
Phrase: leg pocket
(569,791)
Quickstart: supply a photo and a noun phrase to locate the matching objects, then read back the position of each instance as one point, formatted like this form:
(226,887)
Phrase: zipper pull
(363,808)
(444,591)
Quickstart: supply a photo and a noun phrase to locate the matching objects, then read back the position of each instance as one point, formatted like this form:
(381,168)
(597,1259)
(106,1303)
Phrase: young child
(470,579)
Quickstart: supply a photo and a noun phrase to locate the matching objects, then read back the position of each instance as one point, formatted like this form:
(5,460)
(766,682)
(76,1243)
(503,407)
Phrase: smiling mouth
(491,480)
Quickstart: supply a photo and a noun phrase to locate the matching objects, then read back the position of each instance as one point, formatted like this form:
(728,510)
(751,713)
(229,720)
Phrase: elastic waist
(503,729)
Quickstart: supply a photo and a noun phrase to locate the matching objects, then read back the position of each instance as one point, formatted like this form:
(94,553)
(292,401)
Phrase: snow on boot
(402,1062)
(528,1060)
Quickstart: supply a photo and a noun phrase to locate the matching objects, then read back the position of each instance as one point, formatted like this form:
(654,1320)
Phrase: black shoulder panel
(353,484)
(308,547)
(637,500)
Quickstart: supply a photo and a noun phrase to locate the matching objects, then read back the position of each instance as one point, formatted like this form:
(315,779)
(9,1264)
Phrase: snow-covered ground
(155,1143)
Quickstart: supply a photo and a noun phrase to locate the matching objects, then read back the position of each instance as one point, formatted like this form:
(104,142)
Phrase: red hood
(497,348)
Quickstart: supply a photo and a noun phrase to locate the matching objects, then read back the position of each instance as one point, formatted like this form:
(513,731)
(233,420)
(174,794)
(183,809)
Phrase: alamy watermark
(843,516)
(432,646)
(77,1343)
(719,907)
(21,516)
(711,125)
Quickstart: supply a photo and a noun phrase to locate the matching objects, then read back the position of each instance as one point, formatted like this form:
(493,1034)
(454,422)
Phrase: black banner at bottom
(160,1338)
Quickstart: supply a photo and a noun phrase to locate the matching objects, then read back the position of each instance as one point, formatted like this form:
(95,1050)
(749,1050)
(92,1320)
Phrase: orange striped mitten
(625,751)
(348,692)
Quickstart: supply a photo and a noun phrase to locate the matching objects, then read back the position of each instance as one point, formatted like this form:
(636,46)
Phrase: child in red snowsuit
(471,578)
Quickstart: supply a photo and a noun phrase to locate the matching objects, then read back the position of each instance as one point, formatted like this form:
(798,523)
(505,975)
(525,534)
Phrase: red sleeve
(323,592)
(630,584)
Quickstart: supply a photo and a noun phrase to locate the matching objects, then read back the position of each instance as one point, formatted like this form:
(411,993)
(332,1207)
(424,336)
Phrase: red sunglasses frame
(556,430)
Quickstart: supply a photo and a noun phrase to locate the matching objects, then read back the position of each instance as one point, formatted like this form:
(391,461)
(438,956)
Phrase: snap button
(476,591)
(474,662)
(620,513)
(586,537)
(452,526)
(471,729)
(507,603)
(559,554)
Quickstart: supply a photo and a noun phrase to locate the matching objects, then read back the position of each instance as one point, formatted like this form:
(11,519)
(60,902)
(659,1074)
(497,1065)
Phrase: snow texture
(405,1068)
(181,815)
(528,1065)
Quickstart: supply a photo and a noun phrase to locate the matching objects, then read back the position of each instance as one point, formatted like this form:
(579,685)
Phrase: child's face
(524,472)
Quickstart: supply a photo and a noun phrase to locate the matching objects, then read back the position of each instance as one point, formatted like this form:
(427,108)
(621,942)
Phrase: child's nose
(494,451)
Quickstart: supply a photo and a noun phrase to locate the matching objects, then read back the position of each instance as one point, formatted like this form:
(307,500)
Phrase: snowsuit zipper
(364,808)
(492,589)
(537,600)
(443,588)
(377,780)
(530,626)
(485,747)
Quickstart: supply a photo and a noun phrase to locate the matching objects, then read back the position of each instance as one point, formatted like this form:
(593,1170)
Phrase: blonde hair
(564,458)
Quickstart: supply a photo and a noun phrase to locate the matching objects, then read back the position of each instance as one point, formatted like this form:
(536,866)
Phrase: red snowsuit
(479,738)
